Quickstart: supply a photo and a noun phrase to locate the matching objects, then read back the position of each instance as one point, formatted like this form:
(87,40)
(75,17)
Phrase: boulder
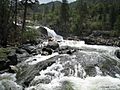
(13,69)
(22,54)
(46,51)
(13,58)
(30,49)
(67,50)
(20,51)
(3,64)
(53,45)
(117,53)
(27,72)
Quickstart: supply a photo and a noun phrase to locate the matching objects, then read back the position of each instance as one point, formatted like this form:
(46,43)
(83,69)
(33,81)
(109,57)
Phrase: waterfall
(51,33)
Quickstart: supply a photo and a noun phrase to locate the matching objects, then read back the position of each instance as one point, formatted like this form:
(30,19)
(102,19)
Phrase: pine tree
(4,21)
(82,13)
(117,25)
(25,3)
(53,7)
(64,12)
(112,16)
(64,17)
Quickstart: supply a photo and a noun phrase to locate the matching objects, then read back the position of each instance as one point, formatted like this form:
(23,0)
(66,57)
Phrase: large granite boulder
(53,45)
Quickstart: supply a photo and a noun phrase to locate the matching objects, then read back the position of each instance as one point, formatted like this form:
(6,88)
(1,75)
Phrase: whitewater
(93,67)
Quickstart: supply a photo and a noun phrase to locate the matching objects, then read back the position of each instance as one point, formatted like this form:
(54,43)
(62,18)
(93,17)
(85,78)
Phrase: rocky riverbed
(62,65)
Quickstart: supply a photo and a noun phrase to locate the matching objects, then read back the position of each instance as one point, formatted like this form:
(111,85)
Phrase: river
(91,67)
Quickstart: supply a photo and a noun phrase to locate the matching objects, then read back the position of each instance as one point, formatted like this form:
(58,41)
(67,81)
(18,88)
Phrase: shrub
(30,34)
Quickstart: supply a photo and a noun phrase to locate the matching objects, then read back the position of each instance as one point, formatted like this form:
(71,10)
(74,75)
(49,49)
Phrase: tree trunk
(24,18)
(15,14)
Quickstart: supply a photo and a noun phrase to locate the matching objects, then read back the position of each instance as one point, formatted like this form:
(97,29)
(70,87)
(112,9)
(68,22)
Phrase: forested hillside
(83,15)
(80,18)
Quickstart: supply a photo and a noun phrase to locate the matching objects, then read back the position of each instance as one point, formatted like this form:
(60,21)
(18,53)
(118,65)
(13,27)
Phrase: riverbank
(111,41)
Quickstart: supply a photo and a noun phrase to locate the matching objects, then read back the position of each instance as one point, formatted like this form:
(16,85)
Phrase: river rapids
(91,67)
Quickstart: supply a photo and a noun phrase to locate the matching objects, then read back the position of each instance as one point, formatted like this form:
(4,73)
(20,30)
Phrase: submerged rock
(117,53)
(47,51)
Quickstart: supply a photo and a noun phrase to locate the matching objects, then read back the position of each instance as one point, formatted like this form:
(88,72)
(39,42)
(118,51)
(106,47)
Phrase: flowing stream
(91,67)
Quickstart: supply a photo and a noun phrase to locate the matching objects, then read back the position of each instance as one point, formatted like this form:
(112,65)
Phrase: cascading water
(7,82)
(88,69)
(51,33)
(91,67)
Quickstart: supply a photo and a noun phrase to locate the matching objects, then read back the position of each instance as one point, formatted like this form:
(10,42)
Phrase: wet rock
(3,64)
(13,58)
(100,40)
(53,45)
(13,69)
(33,42)
(70,51)
(20,51)
(30,49)
(117,53)
(90,70)
(27,72)
(22,54)
(22,57)
(10,59)
(67,50)
(47,51)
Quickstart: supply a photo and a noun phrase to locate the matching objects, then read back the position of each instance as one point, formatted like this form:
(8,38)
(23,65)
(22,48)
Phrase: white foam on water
(7,82)
(56,77)
(81,44)
(89,83)
(105,50)
(78,69)
(8,76)
(52,34)
(117,75)
(38,58)
(99,72)
(72,43)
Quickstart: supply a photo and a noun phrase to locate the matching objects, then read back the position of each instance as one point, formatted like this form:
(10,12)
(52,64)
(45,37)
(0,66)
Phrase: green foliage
(4,21)
(74,18)
(64,12)
(63,20)
(82,15)
(96,25)
(117,25)
(4,52)
(30,34)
